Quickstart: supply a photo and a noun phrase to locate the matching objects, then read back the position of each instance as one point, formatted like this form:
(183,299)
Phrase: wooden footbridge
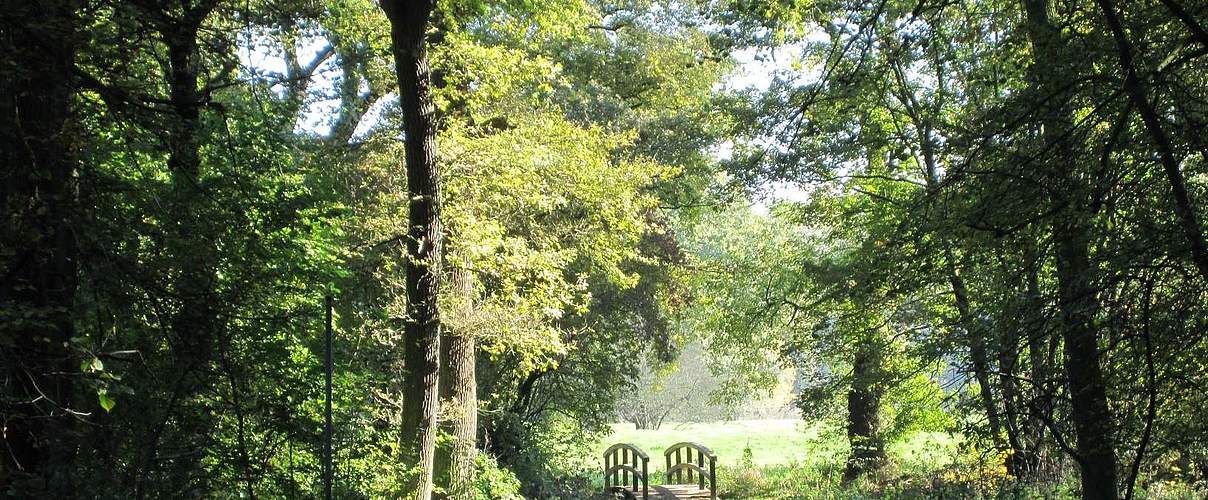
(691,473)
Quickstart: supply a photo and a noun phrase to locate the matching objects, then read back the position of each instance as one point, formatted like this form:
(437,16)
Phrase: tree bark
(38,249)
(459,390)
(298,76)
(1088,394)
(192,247)
(353,103)
(1071,231)
(863,413)
(408,25)
(977,349)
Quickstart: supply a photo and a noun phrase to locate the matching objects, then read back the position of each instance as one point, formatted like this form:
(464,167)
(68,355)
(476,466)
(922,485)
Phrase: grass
(772,442)
(788,458)
(794,460)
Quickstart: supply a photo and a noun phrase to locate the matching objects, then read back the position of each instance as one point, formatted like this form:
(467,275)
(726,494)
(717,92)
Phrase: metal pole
(327,416)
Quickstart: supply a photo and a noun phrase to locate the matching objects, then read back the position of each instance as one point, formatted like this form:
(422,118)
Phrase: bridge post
(607,465)
(668,469)
(688,457)
(713,478)
(679,473)
(645,478)
(625,472)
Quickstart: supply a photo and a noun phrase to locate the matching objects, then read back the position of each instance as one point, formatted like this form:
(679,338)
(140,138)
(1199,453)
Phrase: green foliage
(917,134)
(774,459)
(493,482)
(580,144)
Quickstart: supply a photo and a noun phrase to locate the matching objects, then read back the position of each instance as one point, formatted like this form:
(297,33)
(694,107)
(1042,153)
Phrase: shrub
(494,482)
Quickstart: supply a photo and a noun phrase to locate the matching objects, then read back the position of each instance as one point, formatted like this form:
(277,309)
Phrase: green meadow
(789,458)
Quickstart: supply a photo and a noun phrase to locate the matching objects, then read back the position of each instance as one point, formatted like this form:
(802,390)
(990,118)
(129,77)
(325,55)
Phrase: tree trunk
(1040,407)
(459,390)
(1091,416)
(1197,31)
(1008,362)
(38,249)
(974,338)
(408,25)
(1071,231)
(1184,208)
(353,103)
(641,421)
(863,413)
(189,240)
(193,324)
(298,76)
(977,350)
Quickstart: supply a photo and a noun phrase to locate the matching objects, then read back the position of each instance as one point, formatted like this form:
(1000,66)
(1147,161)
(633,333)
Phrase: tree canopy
(536,218)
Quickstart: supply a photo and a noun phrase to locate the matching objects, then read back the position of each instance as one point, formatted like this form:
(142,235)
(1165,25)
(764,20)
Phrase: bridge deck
(674,492)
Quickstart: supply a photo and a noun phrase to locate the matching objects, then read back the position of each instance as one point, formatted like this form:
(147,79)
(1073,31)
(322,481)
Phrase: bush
(747,480)
(494,482)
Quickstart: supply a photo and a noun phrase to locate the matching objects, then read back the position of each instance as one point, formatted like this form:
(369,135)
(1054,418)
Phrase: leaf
(107,401)
(93,365)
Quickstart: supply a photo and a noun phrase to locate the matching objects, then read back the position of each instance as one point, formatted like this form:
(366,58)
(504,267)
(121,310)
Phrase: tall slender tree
(1139,95)
(1071,229)
(408,31)
(190,237)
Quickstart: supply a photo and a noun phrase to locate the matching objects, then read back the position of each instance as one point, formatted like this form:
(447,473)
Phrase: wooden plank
(675,492)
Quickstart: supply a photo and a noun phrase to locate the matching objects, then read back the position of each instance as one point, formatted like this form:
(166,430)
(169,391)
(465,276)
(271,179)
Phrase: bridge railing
(626,466)
(691,458)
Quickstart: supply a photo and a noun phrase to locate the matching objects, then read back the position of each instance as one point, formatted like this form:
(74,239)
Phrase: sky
(756,69)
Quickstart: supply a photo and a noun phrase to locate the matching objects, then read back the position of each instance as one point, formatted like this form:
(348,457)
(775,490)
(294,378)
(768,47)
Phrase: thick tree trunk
(863,414)
(1088,394)
(193,324)
(459,391)
(38,251)
(1071,231)
(409,22)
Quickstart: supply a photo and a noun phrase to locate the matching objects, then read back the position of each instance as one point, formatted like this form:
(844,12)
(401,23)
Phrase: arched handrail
(700,448)
(626,466)
(683,453)
(689,467)
(630,447)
